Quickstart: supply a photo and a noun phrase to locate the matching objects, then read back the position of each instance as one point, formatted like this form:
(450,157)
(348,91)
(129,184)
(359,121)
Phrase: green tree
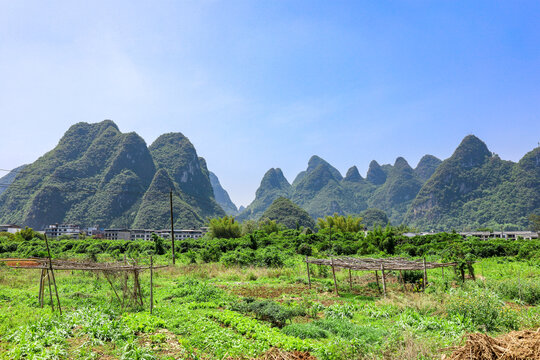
(158,244)
(28,234)
(341,223)
(269,226)
(224,228)
(534,220)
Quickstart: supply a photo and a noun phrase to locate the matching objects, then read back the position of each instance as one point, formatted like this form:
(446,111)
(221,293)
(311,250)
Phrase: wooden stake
(50,289)
(442,269)
(377,279)
(334,273)
(40,296)
(151,284)
(52,274)
(137,287)
(308,273)
(383,280)
(350,280)
(172,229)
(112,286)
(425,275)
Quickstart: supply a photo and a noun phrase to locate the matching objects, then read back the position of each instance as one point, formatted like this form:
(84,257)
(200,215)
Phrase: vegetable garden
(249,297)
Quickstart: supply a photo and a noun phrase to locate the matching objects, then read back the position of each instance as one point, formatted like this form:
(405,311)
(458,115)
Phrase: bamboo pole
(334,273)
(350,280)
(383,279)
(52,274)
(151,285)
(442,270)
(308,273)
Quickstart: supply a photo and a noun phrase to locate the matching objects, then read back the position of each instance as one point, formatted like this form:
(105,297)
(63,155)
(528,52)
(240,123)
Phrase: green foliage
(192,290)
(91,177)
(341,223)
(225,227)
(338,311)
(159,244)
(305,331)
(268,310)
(521,290)
(373,218)
(474,188)
(482,307)
(28,234)
(269,226)
(534,220)
(285,212)
(273,185)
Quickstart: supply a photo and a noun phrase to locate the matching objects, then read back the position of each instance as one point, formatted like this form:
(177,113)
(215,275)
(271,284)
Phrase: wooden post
(334,273)
(50,289)
(124,287)
(52,274)
(172,229)
(377,279)
(151,284)
(308,273)
(350,280)
(40,296)
(442,270)
(383,280)
(112,285)
(425,275)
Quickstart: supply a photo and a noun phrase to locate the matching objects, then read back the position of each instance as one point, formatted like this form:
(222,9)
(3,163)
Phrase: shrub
(483,308)
(526,290)
(268,310)
(270,257)
(338,311)
(304,249)
(240,257)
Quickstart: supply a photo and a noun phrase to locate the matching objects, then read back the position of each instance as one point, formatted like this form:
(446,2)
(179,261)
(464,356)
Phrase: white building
(146,234)
(10,228)
(56,230)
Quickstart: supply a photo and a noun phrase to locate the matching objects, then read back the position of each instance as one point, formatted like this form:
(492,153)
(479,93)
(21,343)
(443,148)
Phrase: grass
(197,313)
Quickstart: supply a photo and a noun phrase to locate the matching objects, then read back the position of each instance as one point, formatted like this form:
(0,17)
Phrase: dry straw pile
(517,345)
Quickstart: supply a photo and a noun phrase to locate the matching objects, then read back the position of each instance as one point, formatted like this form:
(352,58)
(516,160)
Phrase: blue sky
(261,84)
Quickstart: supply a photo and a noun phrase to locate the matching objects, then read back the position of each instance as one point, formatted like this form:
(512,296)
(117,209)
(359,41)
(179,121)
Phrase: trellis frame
(371,264)
(47,266)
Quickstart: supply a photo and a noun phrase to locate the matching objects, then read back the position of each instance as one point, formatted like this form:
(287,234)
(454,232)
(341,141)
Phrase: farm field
(216,311)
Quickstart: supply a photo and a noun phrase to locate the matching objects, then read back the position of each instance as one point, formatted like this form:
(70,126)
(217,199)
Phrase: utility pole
(172,229)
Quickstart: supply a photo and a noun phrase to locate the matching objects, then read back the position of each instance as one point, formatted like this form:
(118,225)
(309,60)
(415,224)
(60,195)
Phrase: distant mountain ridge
(7,179)
(221,195)
(97,175)
(471,189)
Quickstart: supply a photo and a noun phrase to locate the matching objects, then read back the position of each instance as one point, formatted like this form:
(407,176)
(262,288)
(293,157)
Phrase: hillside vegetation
(97,175)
